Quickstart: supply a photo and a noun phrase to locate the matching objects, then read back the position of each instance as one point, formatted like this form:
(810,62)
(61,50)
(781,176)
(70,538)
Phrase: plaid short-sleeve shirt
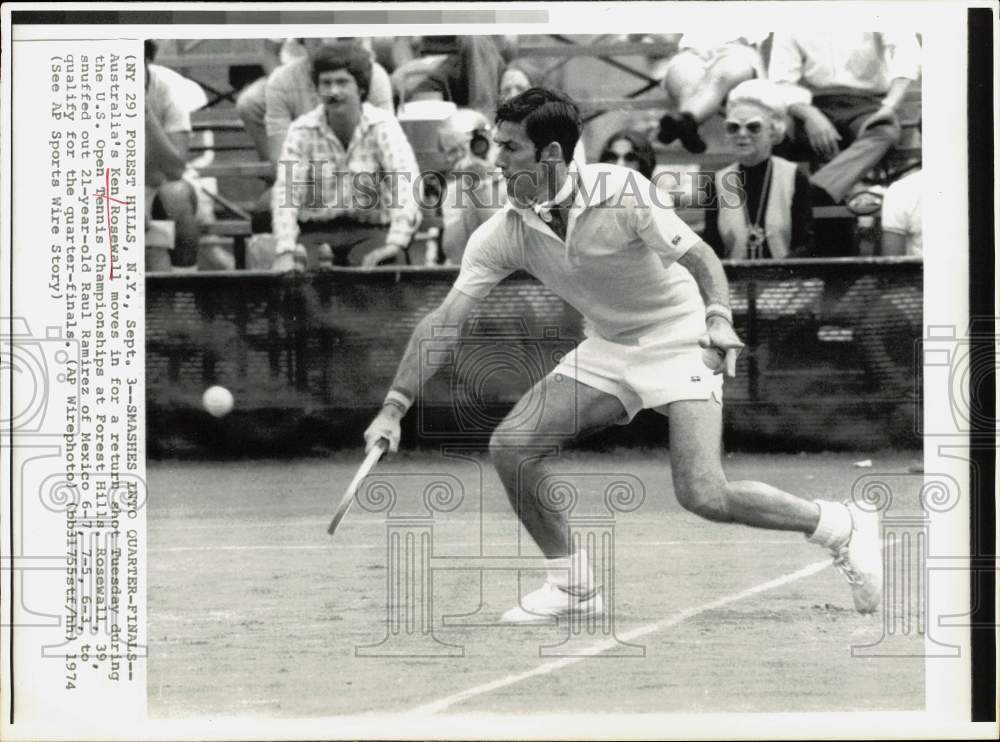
(372,181)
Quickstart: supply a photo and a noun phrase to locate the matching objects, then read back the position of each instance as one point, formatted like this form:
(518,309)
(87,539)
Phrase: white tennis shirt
(617,266)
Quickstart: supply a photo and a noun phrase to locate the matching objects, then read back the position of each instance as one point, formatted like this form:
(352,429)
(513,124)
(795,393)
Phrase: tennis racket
(363,471)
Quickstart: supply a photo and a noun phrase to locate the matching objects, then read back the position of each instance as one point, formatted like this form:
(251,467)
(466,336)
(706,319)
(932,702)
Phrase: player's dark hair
(344,55)
(149,50)
(548,116)
(642,150)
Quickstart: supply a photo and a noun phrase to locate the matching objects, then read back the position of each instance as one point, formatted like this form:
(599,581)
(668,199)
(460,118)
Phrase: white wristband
(719,310)
(398,400)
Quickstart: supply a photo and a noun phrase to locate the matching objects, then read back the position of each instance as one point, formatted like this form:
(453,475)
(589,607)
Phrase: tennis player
(656,301)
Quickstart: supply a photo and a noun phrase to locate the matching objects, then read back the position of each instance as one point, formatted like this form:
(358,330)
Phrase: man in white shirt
(660,331)
(844,91)
(902,225)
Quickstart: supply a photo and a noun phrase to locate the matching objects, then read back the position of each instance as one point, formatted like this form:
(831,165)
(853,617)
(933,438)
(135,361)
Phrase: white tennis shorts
(665,366)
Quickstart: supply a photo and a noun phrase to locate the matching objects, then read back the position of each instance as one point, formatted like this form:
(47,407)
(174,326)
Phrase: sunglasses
(753,127)
(611,157)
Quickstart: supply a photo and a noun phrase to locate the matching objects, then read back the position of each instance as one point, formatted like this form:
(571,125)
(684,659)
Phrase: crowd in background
(806,117)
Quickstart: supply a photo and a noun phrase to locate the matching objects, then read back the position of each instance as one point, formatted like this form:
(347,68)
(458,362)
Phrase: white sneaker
(860,560)
(548,602)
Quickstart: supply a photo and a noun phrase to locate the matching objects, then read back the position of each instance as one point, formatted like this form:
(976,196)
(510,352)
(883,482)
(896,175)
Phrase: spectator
(268,106)
(409,76)
(630,149)
(515,80)
(168,195)
(188,94)
(338,151)
(699,77)
(474,189)
(469,76)
(466,137)
(759,207)
(844,90)
(902,227)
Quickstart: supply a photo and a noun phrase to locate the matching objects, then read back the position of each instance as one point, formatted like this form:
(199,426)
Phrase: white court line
(547,668)
(297,523)
(444,544)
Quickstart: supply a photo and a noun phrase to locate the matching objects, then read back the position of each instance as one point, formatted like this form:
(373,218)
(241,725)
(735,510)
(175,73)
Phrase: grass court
(254,611)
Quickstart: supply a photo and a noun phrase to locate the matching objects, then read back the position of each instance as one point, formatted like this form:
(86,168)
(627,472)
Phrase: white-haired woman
(759,206)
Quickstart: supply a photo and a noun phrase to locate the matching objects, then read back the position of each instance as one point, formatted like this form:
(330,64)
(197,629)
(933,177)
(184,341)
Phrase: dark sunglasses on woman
(753,127)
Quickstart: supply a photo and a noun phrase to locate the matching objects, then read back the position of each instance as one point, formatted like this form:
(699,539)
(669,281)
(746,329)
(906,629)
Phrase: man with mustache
(344,192)
(268,106)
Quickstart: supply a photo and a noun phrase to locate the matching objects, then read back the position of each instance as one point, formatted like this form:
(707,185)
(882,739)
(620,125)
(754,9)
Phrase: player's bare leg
(850,533)
(701,485)
(523,458)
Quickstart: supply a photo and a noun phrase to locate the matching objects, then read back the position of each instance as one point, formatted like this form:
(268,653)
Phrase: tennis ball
(218,401)
(714,358)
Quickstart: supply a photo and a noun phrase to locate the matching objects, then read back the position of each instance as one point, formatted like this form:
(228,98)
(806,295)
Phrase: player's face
(338,90)
(527,179)
(748,131)
(513,82)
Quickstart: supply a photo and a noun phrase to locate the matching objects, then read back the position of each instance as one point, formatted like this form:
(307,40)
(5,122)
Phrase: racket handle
(731,355)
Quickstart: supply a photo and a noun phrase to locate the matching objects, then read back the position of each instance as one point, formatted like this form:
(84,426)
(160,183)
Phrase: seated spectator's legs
(725,71)
(159,237)
(699,82)
(857,155)
(157,259)
(684,74)
(251,107)
(216,257)
(177,200)
(349,242)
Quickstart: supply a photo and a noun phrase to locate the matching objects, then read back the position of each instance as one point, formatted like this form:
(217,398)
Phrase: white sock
(572,573)
(834,527)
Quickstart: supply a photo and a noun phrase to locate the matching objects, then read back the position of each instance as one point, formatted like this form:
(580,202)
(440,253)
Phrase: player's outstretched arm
(439,330)
(704,265)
